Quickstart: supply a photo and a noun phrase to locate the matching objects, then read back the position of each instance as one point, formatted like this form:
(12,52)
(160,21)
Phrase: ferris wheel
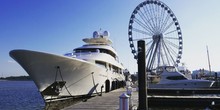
(154,22)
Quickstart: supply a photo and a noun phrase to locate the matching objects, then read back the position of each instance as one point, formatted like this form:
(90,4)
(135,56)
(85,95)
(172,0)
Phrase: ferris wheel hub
(157,37)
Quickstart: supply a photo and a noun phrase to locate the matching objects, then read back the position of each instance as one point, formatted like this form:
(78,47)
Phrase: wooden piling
(142,76)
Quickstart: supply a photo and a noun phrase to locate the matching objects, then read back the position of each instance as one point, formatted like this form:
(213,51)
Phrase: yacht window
(84,50)
(120,71)
(110,67)
(100,63)
(108,52)
(176,78)
(115,69)
(159,70)
(170,69)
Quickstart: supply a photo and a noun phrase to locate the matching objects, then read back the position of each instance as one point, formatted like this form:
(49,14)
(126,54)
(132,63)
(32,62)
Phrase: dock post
(124,101)
(216,79)
(142,76)
(129,93)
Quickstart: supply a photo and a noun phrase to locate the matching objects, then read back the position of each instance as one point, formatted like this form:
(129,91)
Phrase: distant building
(204,74)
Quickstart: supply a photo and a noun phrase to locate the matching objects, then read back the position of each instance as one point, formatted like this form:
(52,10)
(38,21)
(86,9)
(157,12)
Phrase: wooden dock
(110,101)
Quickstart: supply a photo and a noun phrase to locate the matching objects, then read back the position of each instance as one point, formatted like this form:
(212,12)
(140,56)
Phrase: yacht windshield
(170,69)
(85,50)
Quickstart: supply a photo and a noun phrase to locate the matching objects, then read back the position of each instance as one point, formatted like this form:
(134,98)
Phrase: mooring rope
(93,80)
(58,69)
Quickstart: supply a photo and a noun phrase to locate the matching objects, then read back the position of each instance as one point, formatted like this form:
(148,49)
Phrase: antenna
(208,60)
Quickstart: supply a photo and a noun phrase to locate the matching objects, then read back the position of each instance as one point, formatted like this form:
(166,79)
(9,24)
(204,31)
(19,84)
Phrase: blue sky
(58,26)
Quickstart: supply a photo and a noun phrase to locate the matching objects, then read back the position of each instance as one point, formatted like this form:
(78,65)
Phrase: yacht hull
(191,84)
(61,76)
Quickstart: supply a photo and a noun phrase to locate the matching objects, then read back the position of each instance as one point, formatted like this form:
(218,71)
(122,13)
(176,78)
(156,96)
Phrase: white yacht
(169,77)
(90,69)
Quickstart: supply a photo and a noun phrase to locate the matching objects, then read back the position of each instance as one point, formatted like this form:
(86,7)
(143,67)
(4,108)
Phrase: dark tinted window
(176,77)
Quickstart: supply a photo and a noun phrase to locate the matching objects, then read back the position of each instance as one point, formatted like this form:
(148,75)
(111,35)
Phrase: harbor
(146,70)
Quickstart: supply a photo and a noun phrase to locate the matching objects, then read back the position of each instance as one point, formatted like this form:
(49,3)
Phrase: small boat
(169,77)
(87,70)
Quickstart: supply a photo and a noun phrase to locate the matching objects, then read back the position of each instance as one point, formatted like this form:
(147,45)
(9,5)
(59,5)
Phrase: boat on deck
(87,70)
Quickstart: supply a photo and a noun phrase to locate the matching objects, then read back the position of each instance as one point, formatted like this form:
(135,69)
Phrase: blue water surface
(20,95)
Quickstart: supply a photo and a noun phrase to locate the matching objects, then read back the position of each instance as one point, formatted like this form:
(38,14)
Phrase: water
(20,95)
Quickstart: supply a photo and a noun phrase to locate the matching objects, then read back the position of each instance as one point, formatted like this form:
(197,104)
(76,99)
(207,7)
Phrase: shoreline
(16,78)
